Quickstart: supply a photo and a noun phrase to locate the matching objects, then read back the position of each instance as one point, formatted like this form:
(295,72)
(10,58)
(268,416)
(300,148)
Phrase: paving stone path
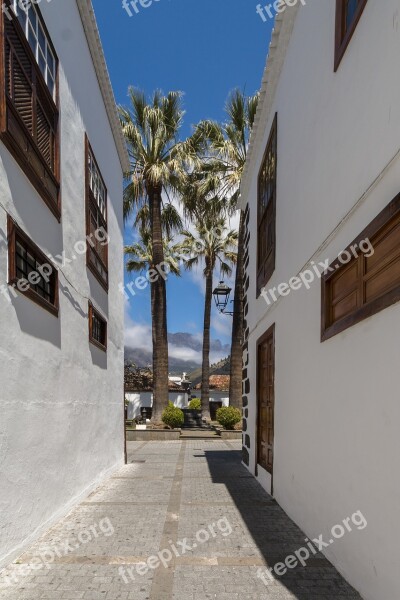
(193,502)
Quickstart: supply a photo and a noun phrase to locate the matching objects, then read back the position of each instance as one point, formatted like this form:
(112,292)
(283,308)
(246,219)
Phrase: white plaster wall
(139,400)
(61,423)
(336,410)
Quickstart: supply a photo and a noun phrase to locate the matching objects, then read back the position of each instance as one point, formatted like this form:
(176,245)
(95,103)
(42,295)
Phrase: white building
(321,397)
(62,157)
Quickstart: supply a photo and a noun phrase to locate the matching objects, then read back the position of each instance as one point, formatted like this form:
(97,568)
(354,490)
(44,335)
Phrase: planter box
(214,406)
(230,434)
(152,435)
(193,418)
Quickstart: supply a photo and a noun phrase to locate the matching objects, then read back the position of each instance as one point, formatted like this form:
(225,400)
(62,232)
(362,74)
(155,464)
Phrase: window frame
(342,35)
(367,309)
(262,281)
(88,194)
(93,312)
(10,118)
(268,335)
(48,43)
(14,232)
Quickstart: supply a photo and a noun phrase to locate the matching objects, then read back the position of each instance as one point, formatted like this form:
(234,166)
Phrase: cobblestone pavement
(169,491)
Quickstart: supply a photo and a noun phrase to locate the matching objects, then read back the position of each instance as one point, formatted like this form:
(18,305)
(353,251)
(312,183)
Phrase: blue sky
(204,48)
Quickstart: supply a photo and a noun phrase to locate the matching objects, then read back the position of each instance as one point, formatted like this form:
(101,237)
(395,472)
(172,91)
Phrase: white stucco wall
(137,400)
(337,411)
(61,399)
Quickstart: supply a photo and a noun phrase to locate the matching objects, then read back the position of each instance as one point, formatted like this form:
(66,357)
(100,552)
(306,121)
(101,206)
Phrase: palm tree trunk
(205,377)
(235,384)
(158,310)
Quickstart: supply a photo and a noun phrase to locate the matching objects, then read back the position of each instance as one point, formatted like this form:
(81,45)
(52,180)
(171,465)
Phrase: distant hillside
(143,359)
(223,367)
(184,355)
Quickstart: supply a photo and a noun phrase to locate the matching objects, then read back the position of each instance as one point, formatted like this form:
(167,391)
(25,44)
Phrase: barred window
(97,328)
(266,239)
(96,218)
(30,271)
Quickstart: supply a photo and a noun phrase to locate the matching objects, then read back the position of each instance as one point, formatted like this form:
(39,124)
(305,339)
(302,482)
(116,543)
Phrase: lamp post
(221,296)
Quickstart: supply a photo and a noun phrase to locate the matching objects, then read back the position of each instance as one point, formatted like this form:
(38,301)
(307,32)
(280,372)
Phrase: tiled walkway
(193,502)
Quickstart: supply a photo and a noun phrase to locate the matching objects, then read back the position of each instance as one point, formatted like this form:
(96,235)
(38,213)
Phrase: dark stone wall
(246,380)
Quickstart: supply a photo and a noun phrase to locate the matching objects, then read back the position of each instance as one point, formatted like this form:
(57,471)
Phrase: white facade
(138,400)
(61,398)
(337,409)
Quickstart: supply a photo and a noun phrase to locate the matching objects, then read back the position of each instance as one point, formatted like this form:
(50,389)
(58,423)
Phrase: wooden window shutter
(370,282)
(29,115)
(19,71)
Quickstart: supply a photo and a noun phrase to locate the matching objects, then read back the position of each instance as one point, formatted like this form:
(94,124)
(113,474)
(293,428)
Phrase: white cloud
(138,336)
(222,324)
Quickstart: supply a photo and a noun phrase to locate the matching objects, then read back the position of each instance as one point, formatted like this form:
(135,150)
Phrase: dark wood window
(369,282)
(96,218)
(28,99)
(266,239)
(266,400)
(97,328)
(30,271)
(348,13)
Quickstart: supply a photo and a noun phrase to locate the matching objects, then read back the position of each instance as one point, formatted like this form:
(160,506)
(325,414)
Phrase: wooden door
(266,400)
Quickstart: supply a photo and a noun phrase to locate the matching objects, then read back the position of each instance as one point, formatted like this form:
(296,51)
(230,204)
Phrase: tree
(228,144)
(214,245)
(140,256)
(158,164)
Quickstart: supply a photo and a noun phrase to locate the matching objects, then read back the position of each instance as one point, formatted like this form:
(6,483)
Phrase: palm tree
(140,257)
(158,164)
(215,246)
(228,144)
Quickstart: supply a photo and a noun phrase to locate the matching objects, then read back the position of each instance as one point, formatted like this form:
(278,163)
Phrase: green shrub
(172,416)
(195,404)
(228,416)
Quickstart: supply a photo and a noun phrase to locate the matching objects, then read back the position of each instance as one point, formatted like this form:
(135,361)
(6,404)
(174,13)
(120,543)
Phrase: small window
(28,101)
(30,271)
(97,328)
(348,13)
(96,219)
(369,281)
(266,239)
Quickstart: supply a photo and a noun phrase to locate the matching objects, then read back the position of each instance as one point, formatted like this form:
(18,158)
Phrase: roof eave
(280,38)
(96,50)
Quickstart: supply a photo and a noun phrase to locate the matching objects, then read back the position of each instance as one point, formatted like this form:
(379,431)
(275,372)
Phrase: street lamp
(221,296)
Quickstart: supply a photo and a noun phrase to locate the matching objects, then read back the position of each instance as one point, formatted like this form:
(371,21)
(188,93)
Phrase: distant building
(139,390)
(218,383)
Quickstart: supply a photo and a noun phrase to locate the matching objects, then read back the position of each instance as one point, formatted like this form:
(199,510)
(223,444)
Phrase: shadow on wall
(29,210)
(64,289)
(99,357)
(37,322)
(274,533)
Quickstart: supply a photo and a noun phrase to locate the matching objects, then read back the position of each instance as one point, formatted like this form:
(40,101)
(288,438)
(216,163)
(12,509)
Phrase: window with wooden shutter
(348,13)
(96,218)
(97,328)
(266,238)
(370,282)
(29,113)
(30,271)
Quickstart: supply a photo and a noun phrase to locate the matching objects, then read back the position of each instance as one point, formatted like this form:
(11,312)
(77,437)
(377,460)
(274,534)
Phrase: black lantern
(221,296)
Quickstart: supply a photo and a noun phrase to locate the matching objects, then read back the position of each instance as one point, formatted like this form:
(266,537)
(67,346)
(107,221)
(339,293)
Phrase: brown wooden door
(266,400)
